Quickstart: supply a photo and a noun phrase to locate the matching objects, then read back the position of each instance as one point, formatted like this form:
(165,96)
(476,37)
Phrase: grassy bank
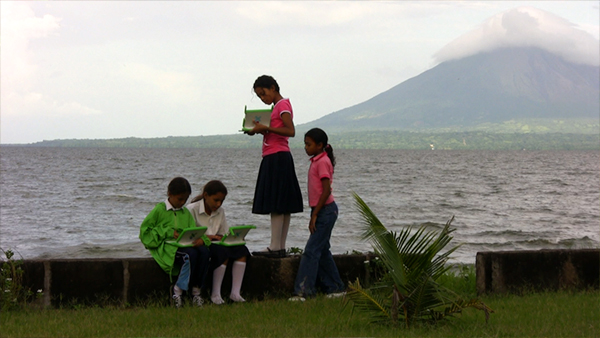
(556,314)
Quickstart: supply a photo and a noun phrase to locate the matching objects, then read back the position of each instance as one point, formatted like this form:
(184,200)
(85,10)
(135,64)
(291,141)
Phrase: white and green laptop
(235,236)
(188,236)
(260,115)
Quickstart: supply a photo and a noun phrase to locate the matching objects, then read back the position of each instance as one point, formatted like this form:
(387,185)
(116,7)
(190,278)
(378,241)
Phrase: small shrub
(13,294)
(295,251)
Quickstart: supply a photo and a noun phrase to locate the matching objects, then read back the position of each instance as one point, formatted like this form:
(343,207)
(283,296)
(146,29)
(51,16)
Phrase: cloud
(175,85)
(18,26)
(19,70)
(525,27)
(34,103)
(318,14)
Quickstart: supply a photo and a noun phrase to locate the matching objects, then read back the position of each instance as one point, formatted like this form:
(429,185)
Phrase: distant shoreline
(368,139)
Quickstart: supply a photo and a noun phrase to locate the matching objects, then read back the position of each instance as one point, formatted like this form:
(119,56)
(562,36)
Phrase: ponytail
(329,151)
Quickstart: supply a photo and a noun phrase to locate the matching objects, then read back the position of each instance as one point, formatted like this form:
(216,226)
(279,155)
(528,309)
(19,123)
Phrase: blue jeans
(317,265)
(194,266)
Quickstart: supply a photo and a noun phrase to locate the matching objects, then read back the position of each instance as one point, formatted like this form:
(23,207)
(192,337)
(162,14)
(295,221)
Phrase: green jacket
(158,227)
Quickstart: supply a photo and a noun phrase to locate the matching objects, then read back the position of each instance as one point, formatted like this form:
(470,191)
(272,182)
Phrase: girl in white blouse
(207,211)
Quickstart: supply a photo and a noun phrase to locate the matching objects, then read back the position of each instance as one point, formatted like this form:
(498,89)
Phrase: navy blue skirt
(277,189)
(221,253)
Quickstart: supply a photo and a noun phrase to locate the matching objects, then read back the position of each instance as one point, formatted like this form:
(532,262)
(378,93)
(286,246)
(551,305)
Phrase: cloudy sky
(113,69)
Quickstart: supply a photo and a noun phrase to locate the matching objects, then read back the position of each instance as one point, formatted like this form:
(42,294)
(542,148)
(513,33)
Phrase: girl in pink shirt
(277,190)
(317,263)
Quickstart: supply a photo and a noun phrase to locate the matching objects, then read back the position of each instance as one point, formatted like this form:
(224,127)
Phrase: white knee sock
(237,273)
(276,229)
(284,230)
(218,275)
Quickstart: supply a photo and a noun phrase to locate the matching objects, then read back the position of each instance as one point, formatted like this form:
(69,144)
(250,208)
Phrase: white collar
(202,210)
(169,206)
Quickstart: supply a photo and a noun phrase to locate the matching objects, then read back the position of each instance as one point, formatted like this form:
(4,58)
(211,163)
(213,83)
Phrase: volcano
(489,87)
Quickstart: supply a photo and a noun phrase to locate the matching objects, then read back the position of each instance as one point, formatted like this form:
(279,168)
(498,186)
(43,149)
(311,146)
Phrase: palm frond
(384,243)
(458,305)
(413,260)
(365,300)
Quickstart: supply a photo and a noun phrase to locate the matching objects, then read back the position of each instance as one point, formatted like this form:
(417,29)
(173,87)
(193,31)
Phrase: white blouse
(216,223)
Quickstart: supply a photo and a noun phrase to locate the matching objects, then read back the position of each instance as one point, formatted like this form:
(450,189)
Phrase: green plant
(461,279)
(413,262)
(295,251)
(12,293)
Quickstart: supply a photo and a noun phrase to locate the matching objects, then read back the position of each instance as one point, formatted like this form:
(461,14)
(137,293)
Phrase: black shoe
(270,253)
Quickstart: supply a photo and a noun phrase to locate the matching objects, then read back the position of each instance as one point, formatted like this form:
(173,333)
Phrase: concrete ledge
(517,271)
(136,279)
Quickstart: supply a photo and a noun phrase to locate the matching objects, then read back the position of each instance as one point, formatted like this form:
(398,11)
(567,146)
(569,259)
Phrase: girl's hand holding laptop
(195,243)
(260,128)
(216,237)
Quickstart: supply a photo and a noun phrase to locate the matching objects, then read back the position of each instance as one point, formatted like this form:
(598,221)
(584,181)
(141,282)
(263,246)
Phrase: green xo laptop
(260,115)
(235,236)
(188,236)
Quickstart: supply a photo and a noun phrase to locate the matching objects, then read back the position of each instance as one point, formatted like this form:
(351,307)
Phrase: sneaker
(197,301)
(237,298)
(217,300)
(296,299)
(177,301)
(336,294)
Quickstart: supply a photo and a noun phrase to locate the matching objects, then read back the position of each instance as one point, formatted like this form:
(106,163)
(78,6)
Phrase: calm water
(74,203)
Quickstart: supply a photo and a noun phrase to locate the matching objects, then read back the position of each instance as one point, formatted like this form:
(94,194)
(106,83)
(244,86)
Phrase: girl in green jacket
(164,223)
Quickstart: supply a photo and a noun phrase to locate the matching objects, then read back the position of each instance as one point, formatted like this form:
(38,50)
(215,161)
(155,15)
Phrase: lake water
(89,202)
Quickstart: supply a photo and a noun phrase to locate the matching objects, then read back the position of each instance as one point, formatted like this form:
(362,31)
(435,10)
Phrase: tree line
(373,139)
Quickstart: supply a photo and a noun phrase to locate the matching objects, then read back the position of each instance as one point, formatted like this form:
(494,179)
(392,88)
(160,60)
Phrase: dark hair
(319,136)
(211,188)
(179,185)
(265,81)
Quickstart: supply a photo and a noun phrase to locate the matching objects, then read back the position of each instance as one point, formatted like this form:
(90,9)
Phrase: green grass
(551,314)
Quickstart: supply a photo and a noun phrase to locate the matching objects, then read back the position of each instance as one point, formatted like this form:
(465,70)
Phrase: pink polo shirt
(320,168)
(273,143)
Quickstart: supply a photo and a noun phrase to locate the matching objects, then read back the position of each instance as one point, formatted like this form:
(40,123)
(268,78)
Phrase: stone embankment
(131,280)
(136,279)
(518,271)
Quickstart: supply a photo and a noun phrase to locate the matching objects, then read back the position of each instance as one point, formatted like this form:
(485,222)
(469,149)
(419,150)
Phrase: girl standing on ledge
(277,190)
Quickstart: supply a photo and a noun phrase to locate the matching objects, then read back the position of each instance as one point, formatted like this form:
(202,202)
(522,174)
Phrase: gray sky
(113,69)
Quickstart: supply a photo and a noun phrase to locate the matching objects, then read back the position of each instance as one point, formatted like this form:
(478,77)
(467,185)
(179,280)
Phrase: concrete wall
(132,280)
(518,271)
